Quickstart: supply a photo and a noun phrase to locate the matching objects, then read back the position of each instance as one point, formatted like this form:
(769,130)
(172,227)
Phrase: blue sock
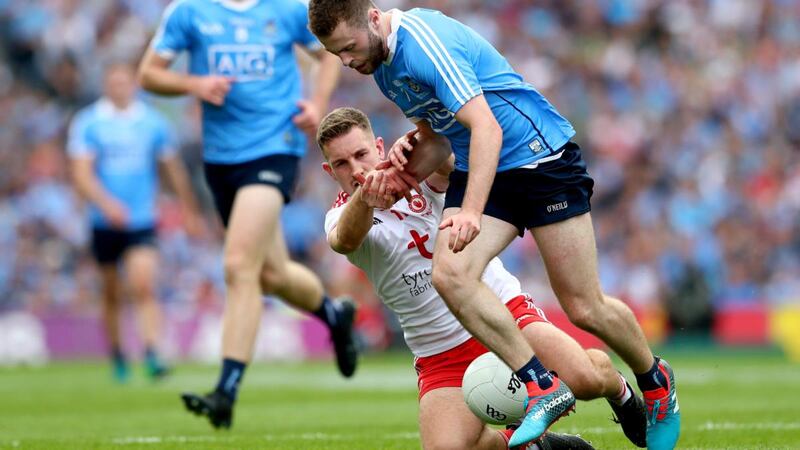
(652,379)
(535,371)
(116,355)
(231,376)
(328,312)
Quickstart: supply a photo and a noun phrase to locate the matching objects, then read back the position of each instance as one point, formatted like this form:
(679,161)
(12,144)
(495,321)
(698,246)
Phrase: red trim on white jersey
(396,257)
(433,188)
(341,199)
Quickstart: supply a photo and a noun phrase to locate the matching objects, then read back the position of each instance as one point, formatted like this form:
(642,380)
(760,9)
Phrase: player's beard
(376,55)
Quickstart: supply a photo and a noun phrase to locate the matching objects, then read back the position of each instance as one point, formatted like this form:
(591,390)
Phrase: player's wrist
(193,85)
(358,198)
(468,207)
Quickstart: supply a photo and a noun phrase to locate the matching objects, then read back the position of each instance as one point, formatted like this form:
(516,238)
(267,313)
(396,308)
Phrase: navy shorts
(527,198)
(225,180)
(108,245)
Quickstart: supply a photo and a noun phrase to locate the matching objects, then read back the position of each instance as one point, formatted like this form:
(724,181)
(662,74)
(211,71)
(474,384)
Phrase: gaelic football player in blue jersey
(516,169)
(243,67)
(116,146)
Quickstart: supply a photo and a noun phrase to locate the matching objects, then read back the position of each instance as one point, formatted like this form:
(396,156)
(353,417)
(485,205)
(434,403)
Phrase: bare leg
(445,422)
(570,256)
(293,282)
(111,304)
(253,221)
(589,373)
(141,265)
(457,278)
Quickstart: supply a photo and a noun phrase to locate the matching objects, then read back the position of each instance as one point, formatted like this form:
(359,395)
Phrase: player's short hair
(325,15)
(338,123)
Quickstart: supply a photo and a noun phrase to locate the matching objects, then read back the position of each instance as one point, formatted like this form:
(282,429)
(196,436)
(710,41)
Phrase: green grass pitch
(728,400)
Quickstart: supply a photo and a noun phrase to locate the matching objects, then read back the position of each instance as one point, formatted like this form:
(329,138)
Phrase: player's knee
(446,279)
(142,285)
(582,313)
(585,383)
(239,268)
(142,291)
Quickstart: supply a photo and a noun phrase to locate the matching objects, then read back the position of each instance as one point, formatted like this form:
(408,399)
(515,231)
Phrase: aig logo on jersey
(243,62)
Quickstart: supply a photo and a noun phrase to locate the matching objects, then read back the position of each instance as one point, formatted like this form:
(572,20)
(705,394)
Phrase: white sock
(624,394)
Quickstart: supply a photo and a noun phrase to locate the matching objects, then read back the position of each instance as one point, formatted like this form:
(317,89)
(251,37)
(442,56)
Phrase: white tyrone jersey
(397,256)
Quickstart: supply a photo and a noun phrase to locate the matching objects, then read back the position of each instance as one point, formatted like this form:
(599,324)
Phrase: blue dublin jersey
(250,41)
(126,146)
(437,64)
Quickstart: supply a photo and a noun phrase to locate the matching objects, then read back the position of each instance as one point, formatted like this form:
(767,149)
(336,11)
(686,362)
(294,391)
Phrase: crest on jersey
(417,203)
(535,146)
(413,86)
(270,28)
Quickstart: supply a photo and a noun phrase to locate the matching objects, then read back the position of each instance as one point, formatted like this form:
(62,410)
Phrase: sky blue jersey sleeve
(172,36)
(79,141)
(441,59)
(302,34)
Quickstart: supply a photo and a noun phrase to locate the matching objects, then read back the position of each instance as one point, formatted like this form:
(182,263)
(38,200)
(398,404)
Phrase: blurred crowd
(688,112)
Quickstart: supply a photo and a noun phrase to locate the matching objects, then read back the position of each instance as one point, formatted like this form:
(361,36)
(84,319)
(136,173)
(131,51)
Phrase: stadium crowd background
(688,113)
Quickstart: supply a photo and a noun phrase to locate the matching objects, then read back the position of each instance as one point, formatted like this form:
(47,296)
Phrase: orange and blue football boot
(663,412)
(543,408)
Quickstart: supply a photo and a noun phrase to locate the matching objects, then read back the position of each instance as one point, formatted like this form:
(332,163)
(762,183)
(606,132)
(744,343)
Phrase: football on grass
(492,391)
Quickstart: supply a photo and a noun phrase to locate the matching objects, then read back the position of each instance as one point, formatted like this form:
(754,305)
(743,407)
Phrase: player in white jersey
(516,169)
(392,243)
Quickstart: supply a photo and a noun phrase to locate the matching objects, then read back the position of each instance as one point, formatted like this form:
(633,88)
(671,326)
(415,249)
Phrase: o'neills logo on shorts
(557,206)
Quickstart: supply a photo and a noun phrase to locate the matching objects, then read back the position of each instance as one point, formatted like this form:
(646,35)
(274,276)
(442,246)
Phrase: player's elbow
(495,131)
(144,77)
(343,247)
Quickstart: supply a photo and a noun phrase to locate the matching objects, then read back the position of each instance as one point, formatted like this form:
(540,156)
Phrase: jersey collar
(107,109)
(237,6)
(391,40)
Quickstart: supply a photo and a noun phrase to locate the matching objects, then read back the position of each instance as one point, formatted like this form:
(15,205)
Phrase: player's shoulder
(340,201)
(148,109)
(430,17)
(425,28)
(152,114)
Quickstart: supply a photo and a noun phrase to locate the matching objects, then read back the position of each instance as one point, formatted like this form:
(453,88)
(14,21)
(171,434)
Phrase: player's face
(351,154)
(361,49)
(120,85)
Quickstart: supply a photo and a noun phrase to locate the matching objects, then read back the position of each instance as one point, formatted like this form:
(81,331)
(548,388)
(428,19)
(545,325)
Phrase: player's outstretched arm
(356,219)
(156,77)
